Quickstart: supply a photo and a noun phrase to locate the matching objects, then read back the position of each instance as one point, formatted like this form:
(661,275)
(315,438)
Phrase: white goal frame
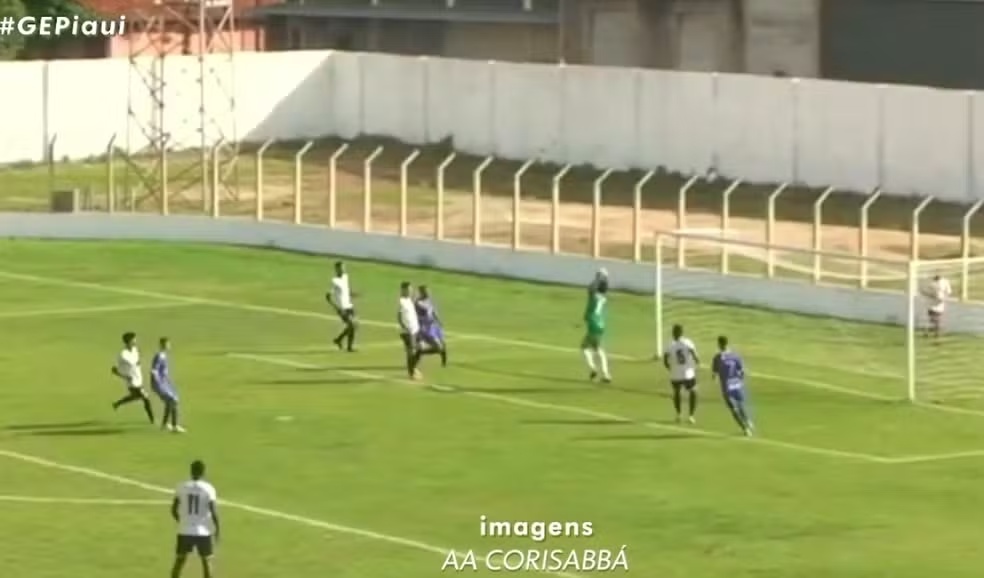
(670,260)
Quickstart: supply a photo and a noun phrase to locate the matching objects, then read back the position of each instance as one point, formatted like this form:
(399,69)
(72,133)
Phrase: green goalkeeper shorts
(593,337)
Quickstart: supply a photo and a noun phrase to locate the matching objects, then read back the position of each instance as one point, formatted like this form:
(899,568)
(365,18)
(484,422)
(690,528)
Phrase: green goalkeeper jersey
(594,313)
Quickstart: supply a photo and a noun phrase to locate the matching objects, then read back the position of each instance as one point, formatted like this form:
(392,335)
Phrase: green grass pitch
(331,465)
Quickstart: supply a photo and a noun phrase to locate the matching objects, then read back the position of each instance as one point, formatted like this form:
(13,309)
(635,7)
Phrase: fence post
(555,209)
(111,174)
(439,210)
(477,200)
(770,230)
(367,189)
(404,189)
(637,215)
(299,182)
(214,184)
(726,224)
(681,253)
(596,213)
(863,236)
(517,204)
(333,184)
(50,154)
(965,240)
(818,234)
(258,213)
(164,180)
(914,234)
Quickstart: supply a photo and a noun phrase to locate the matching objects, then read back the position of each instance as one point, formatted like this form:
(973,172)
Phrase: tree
(39,46)
(11,44)
(40,8)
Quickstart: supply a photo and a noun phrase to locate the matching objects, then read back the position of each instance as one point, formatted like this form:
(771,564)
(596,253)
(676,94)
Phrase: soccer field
(331,464)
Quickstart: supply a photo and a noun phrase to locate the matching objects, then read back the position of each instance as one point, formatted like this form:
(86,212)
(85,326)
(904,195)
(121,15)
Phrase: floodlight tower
(181,97)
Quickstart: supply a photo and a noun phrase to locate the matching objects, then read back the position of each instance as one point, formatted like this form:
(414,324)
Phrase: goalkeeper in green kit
(594,321)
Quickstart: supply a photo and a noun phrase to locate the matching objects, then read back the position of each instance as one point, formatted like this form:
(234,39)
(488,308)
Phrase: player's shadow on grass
(70,425)
(95,432)
(68,429)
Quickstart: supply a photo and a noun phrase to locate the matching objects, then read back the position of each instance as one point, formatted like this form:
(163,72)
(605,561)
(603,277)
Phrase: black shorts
(687,384)
(409,340)
(204,546)
(347,315)
(134,390)
(935,314)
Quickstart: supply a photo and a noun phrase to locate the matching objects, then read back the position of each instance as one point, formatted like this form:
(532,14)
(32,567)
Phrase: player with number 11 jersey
(194,509)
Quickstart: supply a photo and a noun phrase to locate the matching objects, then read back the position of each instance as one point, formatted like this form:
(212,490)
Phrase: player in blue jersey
(729,369)
(431,334)
(163,386)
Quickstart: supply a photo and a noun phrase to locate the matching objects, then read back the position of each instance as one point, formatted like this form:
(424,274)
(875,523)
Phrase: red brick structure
(169,34)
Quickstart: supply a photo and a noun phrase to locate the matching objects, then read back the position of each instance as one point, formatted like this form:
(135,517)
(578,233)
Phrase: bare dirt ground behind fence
(890,216)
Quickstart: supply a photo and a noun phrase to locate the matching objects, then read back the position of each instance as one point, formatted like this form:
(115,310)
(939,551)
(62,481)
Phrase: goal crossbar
(725,241)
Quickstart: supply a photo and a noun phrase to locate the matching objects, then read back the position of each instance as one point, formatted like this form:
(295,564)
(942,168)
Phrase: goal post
(834,320)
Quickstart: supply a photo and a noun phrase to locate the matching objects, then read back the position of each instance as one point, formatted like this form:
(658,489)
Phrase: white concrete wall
(908,140)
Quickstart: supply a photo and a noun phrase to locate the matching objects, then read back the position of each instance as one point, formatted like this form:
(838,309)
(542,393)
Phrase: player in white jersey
(406,317)
(340,298)
(938,292)
(196,513)
(680,359)
(127,368)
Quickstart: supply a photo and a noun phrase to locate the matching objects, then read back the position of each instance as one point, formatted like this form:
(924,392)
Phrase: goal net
(825,320)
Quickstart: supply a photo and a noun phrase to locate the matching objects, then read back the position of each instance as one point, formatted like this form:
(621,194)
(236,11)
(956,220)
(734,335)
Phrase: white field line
(80,501)
(920,459)
(500,398)
(371,345)
(568,409)
(256,510)
(71,311)
(819,385)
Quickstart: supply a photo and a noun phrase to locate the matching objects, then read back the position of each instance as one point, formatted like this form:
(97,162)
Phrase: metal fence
(409,193)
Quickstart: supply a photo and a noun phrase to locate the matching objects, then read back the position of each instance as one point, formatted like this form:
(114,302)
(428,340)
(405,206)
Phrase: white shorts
(684,375)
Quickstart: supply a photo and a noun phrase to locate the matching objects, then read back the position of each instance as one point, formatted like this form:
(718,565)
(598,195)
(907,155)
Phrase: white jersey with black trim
(682,358)
(195,500)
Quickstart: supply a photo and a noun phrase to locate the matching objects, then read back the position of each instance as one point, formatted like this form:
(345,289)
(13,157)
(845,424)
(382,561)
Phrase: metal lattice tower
(181,103)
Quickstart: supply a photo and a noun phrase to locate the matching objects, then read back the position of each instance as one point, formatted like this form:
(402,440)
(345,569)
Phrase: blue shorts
(165,392)
(735,394)
(432,333)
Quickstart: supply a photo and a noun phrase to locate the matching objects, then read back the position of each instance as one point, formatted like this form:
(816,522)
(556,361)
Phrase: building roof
(115,7)
(120,7)
(490,11)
